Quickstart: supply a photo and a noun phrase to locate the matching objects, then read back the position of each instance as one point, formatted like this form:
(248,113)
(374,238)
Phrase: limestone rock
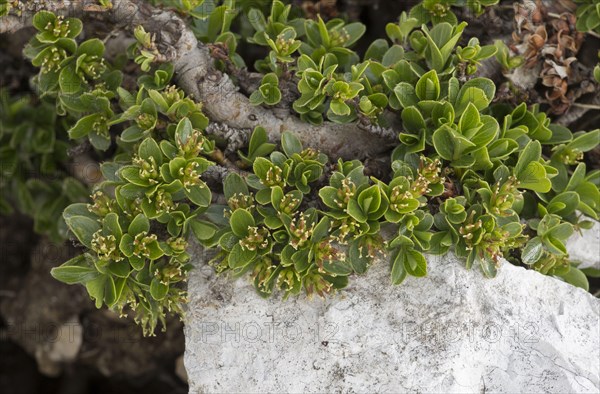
(452,331)
(585,248)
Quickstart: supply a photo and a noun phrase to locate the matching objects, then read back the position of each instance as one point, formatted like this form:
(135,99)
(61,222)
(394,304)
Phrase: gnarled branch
(197,76)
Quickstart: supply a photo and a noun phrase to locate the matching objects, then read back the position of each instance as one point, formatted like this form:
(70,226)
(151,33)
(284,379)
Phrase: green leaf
(96,288)
(137,263)
(562,232)
(564,204)
(149,148)
(42,18)
(83,227)
(531,153)
(139,225)
(358,258)
(328,195)
(586,141)
(488,266)
(234,184)
(472,95)
(370,199)
(470,119)
(428,86)
(99,141)
(83,126)
(321,230)
(415,263)
(290,143)
(202,230)
(576,278)
(398,271)
(485,84)
(158,290)
(69,81)
(532,251)
(355,210)
(74,271)
(591,272)
(534,177)
(443,142)
(240,221)
(405,93)
(199,195)
(120,269)
(339,108)
(412,119)
(240,257)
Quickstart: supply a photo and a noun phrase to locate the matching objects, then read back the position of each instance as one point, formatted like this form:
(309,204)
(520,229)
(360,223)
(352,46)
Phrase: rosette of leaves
(282,49)
(581,188)
(268,91)
(212,24)
(414,181)
(272,26)
(277,32)
(67,70)
(472,54)
(372,106)
(95,126)
(408,245)
(354,204)
(67,67)
(144,49)
(296,167)
(439,11)
(332,37)
(434,11)
(313,80)
(475,235)
(465,144)
(399,32)
(452,124)
(342,92)
(437,45)
(158,107)
(53,44)
(159,80)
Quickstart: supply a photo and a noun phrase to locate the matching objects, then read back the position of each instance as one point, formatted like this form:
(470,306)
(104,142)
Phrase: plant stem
(586,106)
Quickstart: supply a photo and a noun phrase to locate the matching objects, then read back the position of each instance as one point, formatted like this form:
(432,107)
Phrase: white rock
(585,248)
(60,346)
(452,331)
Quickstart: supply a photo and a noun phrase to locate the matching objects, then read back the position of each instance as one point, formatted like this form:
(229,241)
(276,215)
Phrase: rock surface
(452,331)
(585,248)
